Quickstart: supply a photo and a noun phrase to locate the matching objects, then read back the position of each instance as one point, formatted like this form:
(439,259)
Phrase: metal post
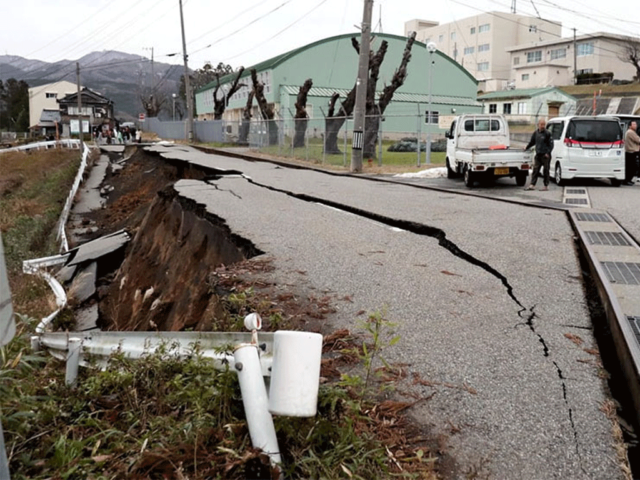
(73,361)
(306,141)
(256,401)
(431,47)
(4,463)
(419,133)
(575,59)
(174,106)
(187,80)
(361,89)
(344,153)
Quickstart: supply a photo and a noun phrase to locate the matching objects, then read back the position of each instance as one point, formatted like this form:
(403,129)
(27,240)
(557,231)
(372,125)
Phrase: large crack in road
(526,314)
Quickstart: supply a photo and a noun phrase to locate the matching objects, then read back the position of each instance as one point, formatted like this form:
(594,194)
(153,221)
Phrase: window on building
(534,56)
(51,95)
(484,28)
(585,70)
(431,117)
(483,48)
(493,108)
(440,38)
(558,53)
(483,67)
(533,28)
(469,50)
(506,108)
(473,30)
(516,60)
(525,77)
(453,35)
(522,108)
(585,49)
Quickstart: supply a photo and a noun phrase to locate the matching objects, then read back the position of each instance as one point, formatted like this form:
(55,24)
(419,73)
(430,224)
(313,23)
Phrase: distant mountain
(121,77)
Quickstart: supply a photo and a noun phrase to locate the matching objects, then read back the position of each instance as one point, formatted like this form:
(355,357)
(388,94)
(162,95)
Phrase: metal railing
(64,143)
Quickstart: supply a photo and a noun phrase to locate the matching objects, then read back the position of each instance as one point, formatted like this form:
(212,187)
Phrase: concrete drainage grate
(576,201)
(614,239)
(593,217)
(635,326)
(622,272)
(576,191)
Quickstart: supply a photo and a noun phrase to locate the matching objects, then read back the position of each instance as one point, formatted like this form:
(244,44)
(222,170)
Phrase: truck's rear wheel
(450,172)
(469,177)
(521,178)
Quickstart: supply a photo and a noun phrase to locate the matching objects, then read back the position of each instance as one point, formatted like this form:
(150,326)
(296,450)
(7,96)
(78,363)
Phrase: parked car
(478,147)
(587,147)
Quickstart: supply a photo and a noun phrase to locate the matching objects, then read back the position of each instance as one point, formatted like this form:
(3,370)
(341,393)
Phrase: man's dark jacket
(542,140)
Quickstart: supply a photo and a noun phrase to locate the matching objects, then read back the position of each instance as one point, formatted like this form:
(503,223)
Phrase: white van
(587,147)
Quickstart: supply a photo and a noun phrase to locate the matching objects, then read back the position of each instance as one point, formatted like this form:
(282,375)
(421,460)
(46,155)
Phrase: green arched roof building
(332,64)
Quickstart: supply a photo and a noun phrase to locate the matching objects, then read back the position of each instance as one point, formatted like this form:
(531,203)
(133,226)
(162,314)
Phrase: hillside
(120,76)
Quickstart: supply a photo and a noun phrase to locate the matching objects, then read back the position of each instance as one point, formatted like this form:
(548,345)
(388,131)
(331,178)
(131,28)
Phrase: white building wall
(598,53)
(45,97)
(478,43)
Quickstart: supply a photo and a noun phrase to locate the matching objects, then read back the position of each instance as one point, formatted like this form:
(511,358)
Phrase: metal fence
(396,140)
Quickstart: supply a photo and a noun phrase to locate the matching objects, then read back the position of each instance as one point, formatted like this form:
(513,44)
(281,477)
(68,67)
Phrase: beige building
(45,97)
(479,43)
(551,63)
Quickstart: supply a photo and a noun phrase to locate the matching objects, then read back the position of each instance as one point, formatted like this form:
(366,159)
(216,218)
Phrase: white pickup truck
(478,149)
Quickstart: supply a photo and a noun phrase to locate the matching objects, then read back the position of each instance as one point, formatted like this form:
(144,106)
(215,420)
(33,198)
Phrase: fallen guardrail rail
(291,358)
(66,143)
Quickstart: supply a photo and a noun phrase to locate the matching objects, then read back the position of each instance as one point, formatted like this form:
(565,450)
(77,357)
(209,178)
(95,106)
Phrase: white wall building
(479,43)
(45,97)
(551,62)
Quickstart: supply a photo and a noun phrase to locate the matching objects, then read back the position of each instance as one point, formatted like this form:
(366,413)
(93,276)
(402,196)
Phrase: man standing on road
(631,149)
(541,138)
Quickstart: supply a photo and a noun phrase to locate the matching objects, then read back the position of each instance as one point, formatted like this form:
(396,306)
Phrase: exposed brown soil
(184,270)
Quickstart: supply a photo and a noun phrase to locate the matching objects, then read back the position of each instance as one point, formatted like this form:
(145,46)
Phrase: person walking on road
(541,138)
(631,153)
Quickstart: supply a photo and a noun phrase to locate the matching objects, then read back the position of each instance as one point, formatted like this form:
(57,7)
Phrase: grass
(33,189)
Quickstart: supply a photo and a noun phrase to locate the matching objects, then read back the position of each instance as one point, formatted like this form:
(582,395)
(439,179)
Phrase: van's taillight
(570,143)
(618,144)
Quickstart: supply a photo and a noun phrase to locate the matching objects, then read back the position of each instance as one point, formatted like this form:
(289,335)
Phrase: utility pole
(79,102)
(187,81)
(361,89)
(153,77)
(575,59)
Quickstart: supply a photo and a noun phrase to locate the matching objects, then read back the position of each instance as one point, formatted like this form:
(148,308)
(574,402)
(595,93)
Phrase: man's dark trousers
(630,165)
(542,160)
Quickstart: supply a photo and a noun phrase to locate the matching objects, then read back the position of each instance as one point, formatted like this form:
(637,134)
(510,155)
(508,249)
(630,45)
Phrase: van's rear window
(481,125)
(601,131)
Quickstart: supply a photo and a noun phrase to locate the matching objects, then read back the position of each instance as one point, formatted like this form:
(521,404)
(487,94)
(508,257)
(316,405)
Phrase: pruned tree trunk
(375,111)
(243,136)
(220,104)
(266,109)
(333,124)
(301,117)
(372,119)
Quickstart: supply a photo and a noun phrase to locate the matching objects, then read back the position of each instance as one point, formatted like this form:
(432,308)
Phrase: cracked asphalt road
(483,293)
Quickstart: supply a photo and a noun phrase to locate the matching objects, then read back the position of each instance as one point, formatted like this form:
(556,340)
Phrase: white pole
(73,361)
(431,47)
(256,401)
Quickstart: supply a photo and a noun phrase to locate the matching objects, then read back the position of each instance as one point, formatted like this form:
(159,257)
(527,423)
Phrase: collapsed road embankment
(487,297)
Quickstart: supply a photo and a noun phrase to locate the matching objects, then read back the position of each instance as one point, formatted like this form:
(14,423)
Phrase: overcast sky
(244,32)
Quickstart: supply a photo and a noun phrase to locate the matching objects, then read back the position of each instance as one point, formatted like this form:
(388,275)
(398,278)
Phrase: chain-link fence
(404,140)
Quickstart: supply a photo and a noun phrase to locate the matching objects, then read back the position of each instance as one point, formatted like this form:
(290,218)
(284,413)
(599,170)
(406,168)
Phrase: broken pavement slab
(98,248)
(84,284)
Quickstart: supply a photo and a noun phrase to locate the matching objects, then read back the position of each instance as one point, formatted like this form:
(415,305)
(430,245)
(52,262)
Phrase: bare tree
(266,109)
(153,103)
(375,110)
(301,117)
(631,54)
(334,121)
(243,136)
(220,104)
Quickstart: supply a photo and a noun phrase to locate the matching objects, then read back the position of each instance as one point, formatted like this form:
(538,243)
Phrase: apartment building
(551,63)
(479,43)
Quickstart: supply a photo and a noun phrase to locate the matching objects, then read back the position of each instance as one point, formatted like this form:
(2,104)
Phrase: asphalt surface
(483,315)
